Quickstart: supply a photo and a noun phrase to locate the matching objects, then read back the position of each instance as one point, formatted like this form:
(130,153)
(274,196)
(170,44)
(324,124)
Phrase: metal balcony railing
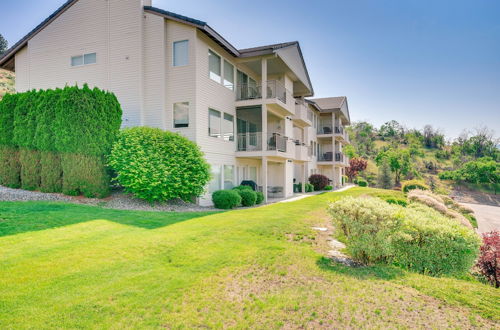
(253,142)
(275,89)
(276,141)
(325,129)
(330,156)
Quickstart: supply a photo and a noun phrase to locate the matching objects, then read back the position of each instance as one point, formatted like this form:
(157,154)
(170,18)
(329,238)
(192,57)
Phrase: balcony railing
(339,130)
(325,129)
(253,142)
(330,156)
(275,89)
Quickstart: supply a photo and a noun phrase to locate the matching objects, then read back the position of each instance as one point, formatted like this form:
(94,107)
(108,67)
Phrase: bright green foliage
(241,188)
(158,166)
(248,197)
(50,172)
(84,174)
(87,121)
(226,199)
(327,188)
(25,120)
(362,182)
(384,179)
(309,187)
(45,130)
(30,168)
(260,198)
(482,171)
(433,244)
(399,161)
(413,184)
(10,168)
(417,237)
(7,109)
(397,201)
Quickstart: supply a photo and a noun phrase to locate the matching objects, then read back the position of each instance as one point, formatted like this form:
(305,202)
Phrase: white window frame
(83,60)
(221,75)
(173,115)
(173,53)
(220,123)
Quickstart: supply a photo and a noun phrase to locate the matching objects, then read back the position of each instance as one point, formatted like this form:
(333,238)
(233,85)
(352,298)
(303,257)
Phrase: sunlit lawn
(70,266)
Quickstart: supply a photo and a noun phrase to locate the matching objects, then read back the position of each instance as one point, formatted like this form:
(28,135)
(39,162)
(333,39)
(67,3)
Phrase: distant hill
(7,82)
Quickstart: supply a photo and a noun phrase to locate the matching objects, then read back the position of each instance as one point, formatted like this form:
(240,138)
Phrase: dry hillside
(7,79)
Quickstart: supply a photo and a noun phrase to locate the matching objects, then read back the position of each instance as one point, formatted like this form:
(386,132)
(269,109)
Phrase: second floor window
(181,53)
(181,115)
(228,75)
(214,123)
(84,59)
(214,66)
(228,127)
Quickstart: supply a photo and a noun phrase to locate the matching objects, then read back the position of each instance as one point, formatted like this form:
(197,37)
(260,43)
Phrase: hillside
(7,82)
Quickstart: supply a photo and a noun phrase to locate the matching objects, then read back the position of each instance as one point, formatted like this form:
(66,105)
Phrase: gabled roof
(330,104)
(279,49)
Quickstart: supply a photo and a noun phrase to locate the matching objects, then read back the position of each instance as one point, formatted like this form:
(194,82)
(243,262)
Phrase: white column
(264,78)
(304,177)
(264,108)
(264,178)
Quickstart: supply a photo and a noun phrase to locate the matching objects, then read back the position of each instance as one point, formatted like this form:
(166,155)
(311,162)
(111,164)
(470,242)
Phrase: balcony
(341,134)
(302,152)
(303,115)
(276,95)
(325,129)
(332,158)
(251,142)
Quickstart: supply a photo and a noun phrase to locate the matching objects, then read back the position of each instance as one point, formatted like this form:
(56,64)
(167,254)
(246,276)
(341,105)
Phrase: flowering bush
(489,259)
(318,181)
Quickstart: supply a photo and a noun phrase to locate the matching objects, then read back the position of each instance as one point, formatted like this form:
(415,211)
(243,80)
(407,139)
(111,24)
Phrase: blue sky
(416,61)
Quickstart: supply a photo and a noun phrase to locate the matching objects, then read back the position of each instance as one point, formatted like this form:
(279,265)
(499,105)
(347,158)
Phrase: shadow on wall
(21,217)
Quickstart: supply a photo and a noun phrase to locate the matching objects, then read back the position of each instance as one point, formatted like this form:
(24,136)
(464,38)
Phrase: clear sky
(416,61)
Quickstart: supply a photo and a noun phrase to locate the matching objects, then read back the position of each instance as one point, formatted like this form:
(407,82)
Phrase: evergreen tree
(384,176)
(3,45)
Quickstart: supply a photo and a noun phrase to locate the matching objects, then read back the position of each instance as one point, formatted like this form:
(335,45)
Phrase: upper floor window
(85,59)
(228,127)
(214,66)
(228,75)
(181,53)
(214,123)
(181,115)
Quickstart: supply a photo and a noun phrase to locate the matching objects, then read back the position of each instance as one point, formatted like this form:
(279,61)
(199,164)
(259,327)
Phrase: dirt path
(488,217)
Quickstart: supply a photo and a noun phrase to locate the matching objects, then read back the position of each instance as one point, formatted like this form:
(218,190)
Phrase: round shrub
(328,188)
(248,197)
(226,199)
(319,181)
(260,198)
(309,187)
(397,201)
(157,165)
(362,182)
(413,184)
(241,188)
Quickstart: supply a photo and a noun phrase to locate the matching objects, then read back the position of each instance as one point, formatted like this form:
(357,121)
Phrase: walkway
(488,217)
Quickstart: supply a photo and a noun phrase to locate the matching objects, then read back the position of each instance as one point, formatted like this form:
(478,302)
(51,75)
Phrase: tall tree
(3,45)
(384,179)
(399,161)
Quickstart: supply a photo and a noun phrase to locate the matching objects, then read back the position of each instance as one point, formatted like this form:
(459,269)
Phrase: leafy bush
(328,188)
(362,182)
(489,258)
(318,181)
(10,168)
(50,172)
(226,199)
(30,169)
(260,198)
(416,238)
(396,201)
(84,174)
(241,188)
(413,184)
(345,179)
(309,187)
(156,165)
(248,197)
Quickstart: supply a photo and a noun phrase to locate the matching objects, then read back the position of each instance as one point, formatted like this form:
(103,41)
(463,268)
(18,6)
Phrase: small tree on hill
(384,176)
(3,45)
(399,161)
(356,165)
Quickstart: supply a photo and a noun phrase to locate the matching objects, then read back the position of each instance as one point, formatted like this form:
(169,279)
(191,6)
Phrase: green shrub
(248,197)
(416,238)
(84,174)
(260,198)
(30,169)
(241,188)
(397,201)
(226,199)
(328,188)
(50,172)
(10,168)
(413,184)
(309,187)
(156,165)
(362,182)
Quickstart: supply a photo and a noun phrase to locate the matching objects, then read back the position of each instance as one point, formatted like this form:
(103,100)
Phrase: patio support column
(264,178)
(264,107)
(304,177)
(264,127)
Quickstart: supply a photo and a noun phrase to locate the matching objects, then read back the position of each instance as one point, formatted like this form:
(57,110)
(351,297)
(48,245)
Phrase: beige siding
(22,70)
(154,71)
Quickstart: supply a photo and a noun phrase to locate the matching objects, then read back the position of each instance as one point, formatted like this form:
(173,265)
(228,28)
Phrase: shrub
(309,187)
(384,178)
(318,181)
(396,201)
(328,188)
(260,198)
(362,182)
(345,179)
(413,184)
(50,172)
(84,174)
(156,165)
(416,238)
(226,199)
(241,188)
(489,258)
(30,169)
(248,197)
(10,168)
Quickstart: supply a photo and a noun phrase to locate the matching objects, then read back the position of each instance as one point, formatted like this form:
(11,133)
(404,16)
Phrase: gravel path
(117,200)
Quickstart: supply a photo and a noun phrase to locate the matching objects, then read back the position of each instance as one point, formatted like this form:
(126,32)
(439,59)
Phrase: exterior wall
(22,70)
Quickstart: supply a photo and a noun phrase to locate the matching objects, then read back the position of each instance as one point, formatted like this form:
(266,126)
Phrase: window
(181,114)
(85,59)
(228,176)
(228,127)
(181,53)
(228,75)
(252,175)
(214,119)
(215,184)
(214,66)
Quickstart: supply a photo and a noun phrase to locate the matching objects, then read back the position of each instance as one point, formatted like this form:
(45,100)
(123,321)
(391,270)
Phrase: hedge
(56,140)
(226,199)
(406,186)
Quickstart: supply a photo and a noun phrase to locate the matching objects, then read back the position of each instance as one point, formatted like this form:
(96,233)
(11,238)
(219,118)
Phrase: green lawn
(70,266)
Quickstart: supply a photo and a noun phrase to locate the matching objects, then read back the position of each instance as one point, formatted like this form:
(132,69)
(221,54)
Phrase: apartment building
(249,110)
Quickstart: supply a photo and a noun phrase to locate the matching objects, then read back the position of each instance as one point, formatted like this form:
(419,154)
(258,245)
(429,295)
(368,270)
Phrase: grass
(71,266)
